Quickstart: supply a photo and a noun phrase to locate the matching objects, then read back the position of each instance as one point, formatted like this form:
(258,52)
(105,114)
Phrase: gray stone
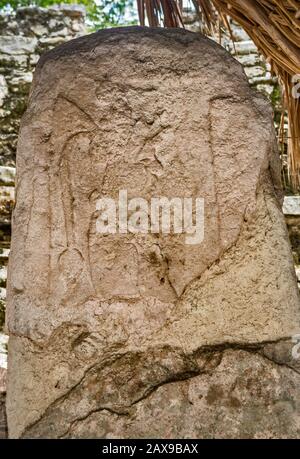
(39,30)
(33,59)
(255,71)
(54,40)
(17,44)
(291,205)
(249,60)
(14,60)
(7,175)
(22,78)
(3,357)
(268,89)
(243,47)
(3,274)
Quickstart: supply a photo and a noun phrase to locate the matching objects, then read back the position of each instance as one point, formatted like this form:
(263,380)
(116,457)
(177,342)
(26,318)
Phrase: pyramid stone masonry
(142,335)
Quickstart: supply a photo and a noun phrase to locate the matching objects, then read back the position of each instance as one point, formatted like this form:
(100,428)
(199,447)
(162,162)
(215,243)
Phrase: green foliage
(44,3)
(109,13)
(100,13)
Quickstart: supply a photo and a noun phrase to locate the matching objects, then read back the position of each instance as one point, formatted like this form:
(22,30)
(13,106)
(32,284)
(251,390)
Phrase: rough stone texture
(24,36)
(259,74)
(232,394)
(291,205)
(143,335)
(244,50)
(38,27)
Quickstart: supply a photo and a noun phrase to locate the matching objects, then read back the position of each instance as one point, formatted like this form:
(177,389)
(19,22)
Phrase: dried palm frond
(166,12)
(273,25)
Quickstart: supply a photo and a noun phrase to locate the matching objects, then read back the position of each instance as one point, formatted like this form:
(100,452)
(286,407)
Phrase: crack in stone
(209,365)
(254,348)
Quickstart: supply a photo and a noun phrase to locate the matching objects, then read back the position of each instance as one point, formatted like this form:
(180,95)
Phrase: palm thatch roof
(273,25)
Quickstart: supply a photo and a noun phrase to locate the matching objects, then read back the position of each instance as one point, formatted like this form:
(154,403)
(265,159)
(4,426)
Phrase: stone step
(7,201)
(4,254)
(3,276)
(3,350)
(242,47)
(291,205)
(7,175)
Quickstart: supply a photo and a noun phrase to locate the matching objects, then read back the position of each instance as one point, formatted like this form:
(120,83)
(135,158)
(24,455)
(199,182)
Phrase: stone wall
(24,36)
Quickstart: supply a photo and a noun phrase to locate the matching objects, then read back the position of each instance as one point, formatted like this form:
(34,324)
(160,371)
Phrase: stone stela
(141,335)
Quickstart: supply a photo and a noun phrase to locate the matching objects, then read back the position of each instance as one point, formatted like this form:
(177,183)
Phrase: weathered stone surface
(44,24)
(3,89)
(11,44)
(24,35)
(7,176)
(109,333)
(235,394)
